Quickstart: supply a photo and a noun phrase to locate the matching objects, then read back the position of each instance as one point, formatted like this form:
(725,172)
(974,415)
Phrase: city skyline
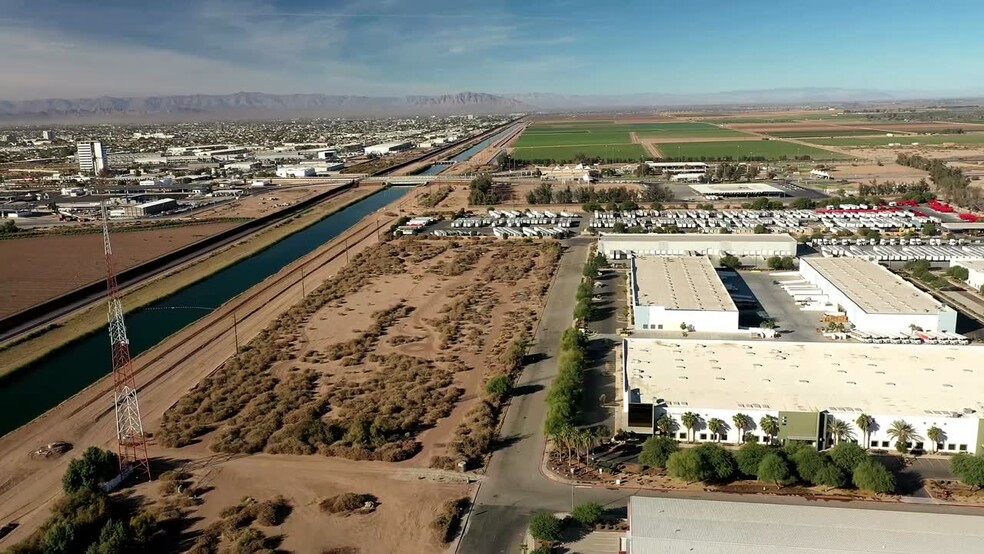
(59,49)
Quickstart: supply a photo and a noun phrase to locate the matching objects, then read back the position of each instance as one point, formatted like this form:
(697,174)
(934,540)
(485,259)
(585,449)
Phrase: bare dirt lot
(39,268)
(260,202)
(516,199)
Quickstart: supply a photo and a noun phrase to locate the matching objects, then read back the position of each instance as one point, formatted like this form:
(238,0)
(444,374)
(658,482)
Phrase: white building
(48,135)
(682,244)
(737,190)
(975,271)
(679,167)
(804,385)
(875,299)
(148,208)
(388,148)
(91,156)
(672,293)
(287,172)
(682,525)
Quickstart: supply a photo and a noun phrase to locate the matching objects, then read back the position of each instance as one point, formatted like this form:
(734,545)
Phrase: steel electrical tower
(132,444)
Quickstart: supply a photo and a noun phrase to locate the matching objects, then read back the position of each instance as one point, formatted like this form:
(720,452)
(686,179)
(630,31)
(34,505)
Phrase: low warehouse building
(875,299)
(620,246)
(737,190)
(805,386)
(671,525)
(673,293)
(388,148)
(975,271)
(147,208)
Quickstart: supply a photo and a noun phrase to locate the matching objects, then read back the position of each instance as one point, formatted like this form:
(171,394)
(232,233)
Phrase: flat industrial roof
(875,289)
(697,237)
(672,525)
(737,188)
(680,283)
(807,376)
(976,265)
(155,202)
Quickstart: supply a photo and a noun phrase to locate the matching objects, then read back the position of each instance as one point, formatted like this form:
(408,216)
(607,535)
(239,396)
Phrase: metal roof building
(670,291)
(669,526)
(683,244)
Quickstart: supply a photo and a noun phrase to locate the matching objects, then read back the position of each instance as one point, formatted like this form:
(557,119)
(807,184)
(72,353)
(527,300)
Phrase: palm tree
(665,425)
(904,434)
(936,435)
(690,420)
(742,423)
(717,427)
(770,425)
(839,429)
(866,423)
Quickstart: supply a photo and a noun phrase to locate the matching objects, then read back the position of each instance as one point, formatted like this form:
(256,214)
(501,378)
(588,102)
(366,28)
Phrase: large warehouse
(737,190)
(975,271)
(804,385)
(147,208)
(673,292)
(654,244)
(875,299)
(678,525)
(388,148)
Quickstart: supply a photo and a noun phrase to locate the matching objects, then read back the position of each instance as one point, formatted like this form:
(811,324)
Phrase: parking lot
(793,323)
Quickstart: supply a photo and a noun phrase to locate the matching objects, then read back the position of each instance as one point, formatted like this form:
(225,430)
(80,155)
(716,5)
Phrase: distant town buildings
(48,135)
(91,156)
(388,148)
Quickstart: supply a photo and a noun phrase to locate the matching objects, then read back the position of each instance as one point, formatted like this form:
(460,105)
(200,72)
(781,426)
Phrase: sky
(88,48)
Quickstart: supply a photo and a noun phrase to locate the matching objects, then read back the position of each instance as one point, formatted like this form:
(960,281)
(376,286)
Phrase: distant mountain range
(246,105)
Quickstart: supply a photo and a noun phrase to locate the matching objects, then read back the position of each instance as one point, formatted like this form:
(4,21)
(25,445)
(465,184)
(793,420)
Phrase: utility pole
(235,330)
(303,294)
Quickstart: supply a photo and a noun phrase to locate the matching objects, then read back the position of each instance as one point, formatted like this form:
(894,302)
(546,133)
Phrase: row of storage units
(879,253)
(524,221)
(514,232)
(497,214)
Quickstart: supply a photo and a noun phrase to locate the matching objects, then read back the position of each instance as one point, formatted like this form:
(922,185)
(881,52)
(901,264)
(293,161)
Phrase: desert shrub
(657,450)
(443,462)
(273,512)
(446,524)
(708,462)
(749,457)
(588,513)
(498,386)
(341,550)
(545,527)
(873,476)
(345,503)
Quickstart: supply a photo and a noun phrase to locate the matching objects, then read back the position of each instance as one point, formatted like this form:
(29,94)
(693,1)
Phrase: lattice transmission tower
(132,443)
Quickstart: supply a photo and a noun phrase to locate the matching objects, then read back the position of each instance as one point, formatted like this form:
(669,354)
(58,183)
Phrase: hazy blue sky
(71,48)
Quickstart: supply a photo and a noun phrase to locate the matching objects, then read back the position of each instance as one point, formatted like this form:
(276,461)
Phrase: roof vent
(948,385)
(804,381)
(852,383)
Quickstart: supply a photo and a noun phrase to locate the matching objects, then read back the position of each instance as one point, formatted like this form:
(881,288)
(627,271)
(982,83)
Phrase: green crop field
(831,133)
(744,149)
(587,133)
(906,140)
(785,118)
(562,154)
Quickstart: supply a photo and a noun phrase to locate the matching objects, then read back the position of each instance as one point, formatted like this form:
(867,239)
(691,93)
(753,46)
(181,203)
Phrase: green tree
(830,476)
(847,456)
(545,527)
(643,170)
(742,423)
(803,204)
(657,450)
(937,436)
(774,468)
(865,423)
(760,229)
(969,469)
(8,227)
(708,462)
(58,538)
(839,429)
(808,463)
(114,538)
(958,272)
(690,421)
(784,263)
(666,425)
(498,386)
(588,513)
(749,457)
(873,476)
(95,466)
(730,261)
(904,434)
(717,427)
(769,424)
(930,229)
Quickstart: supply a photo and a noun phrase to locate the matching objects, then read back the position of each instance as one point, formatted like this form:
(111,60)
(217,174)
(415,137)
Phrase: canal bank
(45,383)
(438,168)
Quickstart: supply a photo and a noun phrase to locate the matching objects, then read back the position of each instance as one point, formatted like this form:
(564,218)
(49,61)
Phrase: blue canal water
(467,154)
(37,388)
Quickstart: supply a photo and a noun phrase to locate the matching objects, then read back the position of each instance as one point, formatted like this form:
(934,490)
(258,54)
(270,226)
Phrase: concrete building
(672,292)
(143,210)
(287,172)
(975,271)
(388,148)
(875,299)
(737,190)
(679,167)
(48,135)
(675,525)
(91,156)
(762,246)
(804,386)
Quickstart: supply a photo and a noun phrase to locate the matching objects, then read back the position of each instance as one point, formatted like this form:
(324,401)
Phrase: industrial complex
(619,246)
(680,292)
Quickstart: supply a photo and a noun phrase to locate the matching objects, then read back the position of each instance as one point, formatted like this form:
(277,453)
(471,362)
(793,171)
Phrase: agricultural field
(759,149)
(561,154)
(829,133)
(907,140)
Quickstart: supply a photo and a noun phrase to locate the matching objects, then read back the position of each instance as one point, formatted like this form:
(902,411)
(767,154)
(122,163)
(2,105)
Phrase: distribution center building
(619,246)
(805,385)
(875,299)
(975,271)
(672,525)
(676,292)
(388,148)
(145,209)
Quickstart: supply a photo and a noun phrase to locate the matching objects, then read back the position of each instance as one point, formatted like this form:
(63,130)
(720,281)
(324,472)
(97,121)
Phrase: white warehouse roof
(680,283)
(875,289)
(723,238)
(725,189)
(807,376)
(671,525)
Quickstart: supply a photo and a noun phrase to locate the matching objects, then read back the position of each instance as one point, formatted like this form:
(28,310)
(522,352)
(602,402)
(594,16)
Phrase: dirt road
(164,373)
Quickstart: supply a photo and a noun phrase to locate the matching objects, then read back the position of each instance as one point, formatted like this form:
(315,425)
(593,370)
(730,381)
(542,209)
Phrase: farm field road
(164,373)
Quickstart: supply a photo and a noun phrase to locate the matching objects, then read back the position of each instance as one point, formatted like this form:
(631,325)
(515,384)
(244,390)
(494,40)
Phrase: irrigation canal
(44,384)
(467,154)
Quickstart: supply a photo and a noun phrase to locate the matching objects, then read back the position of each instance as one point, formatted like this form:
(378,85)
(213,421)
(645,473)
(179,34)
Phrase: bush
(657,450)
(449,519)
(95,466)
(873,476)
(730,261)
(345,502)
(498,386)
(829,475)
(588,514)
(808,463)
(709,463)
(847,456)
(545,527)
(969,469)
(749,457)
(273,512)
(775,469)
(784,263)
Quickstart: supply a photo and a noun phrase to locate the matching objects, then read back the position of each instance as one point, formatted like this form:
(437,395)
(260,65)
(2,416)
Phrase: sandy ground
(39,268)
(164,373)
(890,153)
(516,200)
(890,171)
(260,202)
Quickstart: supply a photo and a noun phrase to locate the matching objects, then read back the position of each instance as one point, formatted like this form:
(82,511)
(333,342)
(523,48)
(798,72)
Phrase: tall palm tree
(866,423)
(770,425)
(665,425)
(839,429)
(904,434)
(690,420)
(742,423)
(936,435)
(717,427)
